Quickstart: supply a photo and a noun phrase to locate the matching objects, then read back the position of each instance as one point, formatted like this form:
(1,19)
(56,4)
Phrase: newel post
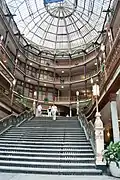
(99,138)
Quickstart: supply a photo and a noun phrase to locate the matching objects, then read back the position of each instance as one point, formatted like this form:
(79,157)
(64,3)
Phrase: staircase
(44,146)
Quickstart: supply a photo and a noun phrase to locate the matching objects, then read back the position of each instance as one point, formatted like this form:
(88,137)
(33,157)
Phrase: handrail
(89,129)
(7,100)
(12,120)
(1,120)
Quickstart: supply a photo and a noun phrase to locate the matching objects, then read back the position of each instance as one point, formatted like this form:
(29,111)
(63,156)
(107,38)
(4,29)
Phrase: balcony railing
(6,66)
(12,120)
(112,62)
(59,80)
(6,99)
(61,100)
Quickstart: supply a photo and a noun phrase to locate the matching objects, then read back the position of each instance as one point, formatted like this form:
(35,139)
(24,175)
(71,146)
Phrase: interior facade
(53,53)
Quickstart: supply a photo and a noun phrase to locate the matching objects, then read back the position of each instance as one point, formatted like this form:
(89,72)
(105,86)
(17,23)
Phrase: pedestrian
(39,110)
(54,111)
(49,111)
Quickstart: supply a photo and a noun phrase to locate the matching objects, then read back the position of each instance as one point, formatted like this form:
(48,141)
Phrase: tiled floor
(11,176)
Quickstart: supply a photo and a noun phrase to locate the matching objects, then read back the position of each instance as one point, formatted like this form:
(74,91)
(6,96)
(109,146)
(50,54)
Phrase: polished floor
(11,176)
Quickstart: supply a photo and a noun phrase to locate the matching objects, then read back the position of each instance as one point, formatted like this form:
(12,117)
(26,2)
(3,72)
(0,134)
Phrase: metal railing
(89,129)
(6,99)
(12,120)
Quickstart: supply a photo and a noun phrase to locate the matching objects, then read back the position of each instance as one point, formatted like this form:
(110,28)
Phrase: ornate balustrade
(60,80)
(89,129)
(13,120)
(6,99)
(114,57)
(6,66)
(112,62)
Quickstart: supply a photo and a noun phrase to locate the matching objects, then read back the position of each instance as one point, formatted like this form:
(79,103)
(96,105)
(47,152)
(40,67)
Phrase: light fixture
(44,84)
(95,63)
(97,80)
(46,69)
(62,87)
(31,63)
(14,82)
(102,47)
(91,80)
(18,55)
(1,38)
(35,93)
(109,33)
(28,80)
(108,134)
(77,93)
(96,91)
(77,102)
(4,60)
(62,72)
(16,60)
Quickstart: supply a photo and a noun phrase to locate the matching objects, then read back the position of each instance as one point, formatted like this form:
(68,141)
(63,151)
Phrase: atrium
(62,52)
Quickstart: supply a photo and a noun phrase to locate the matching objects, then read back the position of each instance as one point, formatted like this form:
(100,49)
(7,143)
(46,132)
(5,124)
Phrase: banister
(88,129)
(13,120)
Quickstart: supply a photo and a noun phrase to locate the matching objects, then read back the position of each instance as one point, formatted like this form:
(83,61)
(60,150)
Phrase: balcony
(6,66)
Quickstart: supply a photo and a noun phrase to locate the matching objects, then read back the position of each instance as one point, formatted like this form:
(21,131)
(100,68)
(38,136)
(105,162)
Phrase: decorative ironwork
(65,26)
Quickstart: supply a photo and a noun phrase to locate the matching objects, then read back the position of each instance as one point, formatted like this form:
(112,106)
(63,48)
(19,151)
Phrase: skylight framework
(67,25)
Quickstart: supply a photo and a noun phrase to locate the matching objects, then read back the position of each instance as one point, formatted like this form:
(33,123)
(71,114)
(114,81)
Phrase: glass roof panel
(66,25)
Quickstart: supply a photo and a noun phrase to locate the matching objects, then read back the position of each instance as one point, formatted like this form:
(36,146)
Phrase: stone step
(24,159)
(57,171)
(47,164)
(45,139)
(46,146)
(14,141)
(49,128)
(45,131)
(46,154)
(46,136)
(42,149)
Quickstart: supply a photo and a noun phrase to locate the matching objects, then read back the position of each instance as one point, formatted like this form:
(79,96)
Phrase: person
(49,111)
(54,111)
(39,109)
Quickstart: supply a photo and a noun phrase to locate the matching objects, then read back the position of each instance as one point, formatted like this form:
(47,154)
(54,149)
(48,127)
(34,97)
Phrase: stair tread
(34,146)
(48,169)
(47,158)
(43,142)
(46,163)
(47,147)
(42,149)
(43,153)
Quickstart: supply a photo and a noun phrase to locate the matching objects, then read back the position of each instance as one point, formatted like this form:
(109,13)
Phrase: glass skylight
(60,26)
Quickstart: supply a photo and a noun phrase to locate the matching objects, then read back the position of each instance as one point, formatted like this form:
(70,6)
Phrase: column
(54,80)
(114,115)
(99,139)
(58,95)
(70,111)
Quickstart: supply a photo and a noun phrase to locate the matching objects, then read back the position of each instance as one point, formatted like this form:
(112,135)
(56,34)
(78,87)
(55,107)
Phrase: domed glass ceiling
(66,25)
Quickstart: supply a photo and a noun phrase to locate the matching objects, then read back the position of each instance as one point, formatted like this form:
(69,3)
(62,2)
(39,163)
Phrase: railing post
(99,139)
